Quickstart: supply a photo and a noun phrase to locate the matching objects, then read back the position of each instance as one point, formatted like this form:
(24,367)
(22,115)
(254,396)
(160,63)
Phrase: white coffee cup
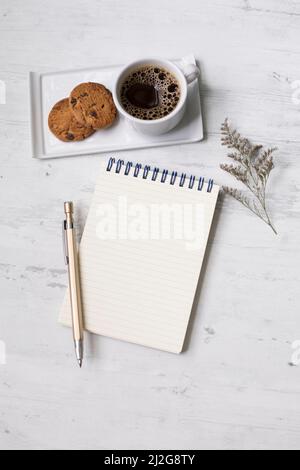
(186,75)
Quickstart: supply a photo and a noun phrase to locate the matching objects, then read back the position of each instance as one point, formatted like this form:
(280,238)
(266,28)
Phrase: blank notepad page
(141,255)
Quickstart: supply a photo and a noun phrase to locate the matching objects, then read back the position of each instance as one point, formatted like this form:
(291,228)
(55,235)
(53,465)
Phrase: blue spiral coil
(137,170)
(164,176)
(173,178)
(129,165)
(155,174)
(147,169)
(119,164)
(182,180)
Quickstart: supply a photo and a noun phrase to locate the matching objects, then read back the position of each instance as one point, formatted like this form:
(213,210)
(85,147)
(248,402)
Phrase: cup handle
(191,72)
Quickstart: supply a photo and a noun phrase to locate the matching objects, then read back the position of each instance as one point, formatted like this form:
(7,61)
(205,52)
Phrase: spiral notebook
(142,252)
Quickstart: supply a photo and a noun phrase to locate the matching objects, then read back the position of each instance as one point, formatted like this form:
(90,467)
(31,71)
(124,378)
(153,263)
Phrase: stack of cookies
(90,107)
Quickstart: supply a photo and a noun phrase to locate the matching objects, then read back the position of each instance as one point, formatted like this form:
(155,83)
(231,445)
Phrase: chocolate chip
(73,102)
(93,114)
(70,136)
(83,95)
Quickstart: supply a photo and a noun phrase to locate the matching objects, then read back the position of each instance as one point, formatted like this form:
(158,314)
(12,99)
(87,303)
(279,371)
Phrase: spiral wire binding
(147,169)
(164,176)
(119,164)
(173,178)
(137,170)
(192,182)
(182,180)
(128,168)
(155,174)
(201,184)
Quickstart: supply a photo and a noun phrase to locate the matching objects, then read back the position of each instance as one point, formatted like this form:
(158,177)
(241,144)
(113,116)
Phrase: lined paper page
(138,278)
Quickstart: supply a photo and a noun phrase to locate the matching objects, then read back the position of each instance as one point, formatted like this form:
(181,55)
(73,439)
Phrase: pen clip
(64,240)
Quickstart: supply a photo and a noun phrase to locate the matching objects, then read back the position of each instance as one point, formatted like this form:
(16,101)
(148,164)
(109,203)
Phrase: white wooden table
(233,387)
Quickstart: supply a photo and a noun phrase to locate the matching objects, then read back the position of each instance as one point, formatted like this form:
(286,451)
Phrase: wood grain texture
(233,387)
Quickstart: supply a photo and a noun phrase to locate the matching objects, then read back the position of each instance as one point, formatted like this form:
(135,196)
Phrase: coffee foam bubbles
(164,82)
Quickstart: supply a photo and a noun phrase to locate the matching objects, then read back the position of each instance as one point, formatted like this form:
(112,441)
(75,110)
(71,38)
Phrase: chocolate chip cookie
(64,125)
(93,105)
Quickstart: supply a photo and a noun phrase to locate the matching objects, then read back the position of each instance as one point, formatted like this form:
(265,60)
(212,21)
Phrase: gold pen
(71,257)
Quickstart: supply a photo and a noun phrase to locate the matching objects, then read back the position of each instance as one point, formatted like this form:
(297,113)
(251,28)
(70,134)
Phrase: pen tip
(80,363)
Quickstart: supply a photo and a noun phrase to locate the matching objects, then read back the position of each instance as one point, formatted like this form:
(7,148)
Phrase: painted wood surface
(234,386)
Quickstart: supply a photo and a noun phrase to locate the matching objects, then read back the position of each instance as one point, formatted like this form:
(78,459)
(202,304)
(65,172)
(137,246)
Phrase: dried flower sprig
(252,167)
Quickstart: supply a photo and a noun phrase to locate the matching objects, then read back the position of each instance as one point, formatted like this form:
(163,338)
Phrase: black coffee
(150,93)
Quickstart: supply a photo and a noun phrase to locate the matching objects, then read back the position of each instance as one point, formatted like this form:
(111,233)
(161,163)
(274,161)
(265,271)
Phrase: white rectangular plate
(48,88)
